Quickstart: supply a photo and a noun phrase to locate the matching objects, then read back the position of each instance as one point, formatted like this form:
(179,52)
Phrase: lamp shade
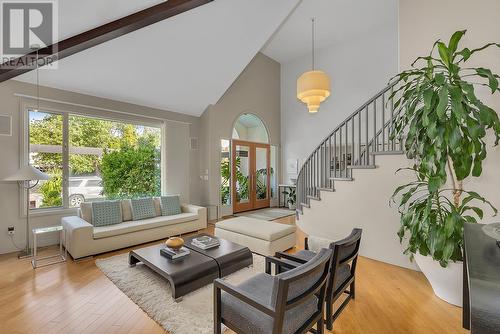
(313,87)
(28,173)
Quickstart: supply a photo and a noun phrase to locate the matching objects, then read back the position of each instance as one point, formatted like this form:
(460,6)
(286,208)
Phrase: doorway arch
(250,127)
(250,157)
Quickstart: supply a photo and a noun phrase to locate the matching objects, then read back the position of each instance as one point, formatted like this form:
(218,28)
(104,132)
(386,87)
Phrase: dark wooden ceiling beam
(96,36)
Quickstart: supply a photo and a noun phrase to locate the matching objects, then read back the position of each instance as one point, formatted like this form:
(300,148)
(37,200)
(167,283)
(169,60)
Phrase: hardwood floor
(75,297)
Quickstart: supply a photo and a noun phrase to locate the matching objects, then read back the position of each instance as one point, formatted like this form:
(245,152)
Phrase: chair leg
(329,315)
(217,328)
(352,289)
(217,311)
(320,326)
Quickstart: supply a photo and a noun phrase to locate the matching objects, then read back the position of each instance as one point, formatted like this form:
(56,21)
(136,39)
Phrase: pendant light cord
(312,32)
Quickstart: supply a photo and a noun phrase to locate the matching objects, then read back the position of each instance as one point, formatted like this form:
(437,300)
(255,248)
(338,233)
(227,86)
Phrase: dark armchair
(342,278)
(288,303)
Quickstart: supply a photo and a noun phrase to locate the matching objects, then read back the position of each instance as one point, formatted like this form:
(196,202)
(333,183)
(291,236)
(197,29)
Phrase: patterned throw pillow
(106,213)
(170,205)
(143,208)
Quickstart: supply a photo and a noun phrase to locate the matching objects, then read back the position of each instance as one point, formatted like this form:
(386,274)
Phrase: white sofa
(83,239)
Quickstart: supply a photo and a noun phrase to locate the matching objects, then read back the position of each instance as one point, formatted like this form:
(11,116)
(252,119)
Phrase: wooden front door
(251,177)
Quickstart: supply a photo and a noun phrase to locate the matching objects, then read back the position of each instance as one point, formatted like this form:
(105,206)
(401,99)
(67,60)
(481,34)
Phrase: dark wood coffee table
(196,270)
(230,256)
(185,275)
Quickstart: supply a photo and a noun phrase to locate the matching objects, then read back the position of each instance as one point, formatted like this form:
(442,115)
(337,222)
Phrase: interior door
(250,175)
(262,177)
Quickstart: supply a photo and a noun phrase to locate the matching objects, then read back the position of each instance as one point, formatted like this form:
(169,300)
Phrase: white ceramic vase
(447,283)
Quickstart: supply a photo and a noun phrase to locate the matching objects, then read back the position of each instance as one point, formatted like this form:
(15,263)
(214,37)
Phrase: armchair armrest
(220,285)
(290,257)
(279,264)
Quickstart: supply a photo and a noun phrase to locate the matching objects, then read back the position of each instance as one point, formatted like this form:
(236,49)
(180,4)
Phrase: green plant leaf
(440,78)
(454,40)
(443,102)
(492,78)
(449,226)
(455,138)
(434,184)
(444,53)
(477,169)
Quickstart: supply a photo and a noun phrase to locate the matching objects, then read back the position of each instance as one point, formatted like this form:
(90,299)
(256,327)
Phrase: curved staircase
(330,198)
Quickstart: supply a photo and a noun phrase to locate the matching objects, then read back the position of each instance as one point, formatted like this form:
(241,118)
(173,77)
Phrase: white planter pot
(447,283)
(291,206)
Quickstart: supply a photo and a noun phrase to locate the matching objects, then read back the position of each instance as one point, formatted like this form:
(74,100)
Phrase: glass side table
(60,257)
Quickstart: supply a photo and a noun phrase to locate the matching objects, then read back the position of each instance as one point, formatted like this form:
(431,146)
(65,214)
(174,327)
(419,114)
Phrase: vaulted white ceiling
(182,64)
(337,22)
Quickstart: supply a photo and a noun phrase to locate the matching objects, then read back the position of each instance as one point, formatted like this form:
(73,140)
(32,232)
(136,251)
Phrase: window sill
(53,212)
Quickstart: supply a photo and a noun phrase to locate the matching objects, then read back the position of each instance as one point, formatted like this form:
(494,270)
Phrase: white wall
(182,164)
(256,91)
(177,158)
(358,69)
(363,203)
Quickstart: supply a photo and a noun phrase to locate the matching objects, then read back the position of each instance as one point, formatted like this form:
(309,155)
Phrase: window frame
(27,106)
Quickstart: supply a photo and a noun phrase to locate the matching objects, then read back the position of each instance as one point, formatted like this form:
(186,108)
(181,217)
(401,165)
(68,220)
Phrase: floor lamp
(24,176)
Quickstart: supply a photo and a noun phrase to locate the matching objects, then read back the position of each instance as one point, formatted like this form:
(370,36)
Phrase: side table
(61,255)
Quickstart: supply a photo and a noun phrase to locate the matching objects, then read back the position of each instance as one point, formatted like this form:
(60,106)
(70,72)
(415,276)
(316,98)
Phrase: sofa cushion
(106,213)
(86,211)
(256,228)
(157,203)
(143,208)
(170,205)
(126,210)
(144,224)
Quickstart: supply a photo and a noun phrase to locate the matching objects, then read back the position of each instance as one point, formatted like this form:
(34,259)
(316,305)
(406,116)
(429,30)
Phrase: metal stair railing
(352,144)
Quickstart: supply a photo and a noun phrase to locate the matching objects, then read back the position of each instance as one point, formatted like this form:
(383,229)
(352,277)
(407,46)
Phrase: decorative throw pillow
(106,213)
(170,205)
(143,208)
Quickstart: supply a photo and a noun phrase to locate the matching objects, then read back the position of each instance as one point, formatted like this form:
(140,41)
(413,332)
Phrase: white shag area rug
(151,292)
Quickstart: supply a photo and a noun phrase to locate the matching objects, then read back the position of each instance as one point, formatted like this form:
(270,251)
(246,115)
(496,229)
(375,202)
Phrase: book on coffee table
(205,242)
(174,254)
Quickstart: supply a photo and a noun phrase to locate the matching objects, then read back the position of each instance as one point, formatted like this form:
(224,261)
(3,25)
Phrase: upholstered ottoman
(260,236)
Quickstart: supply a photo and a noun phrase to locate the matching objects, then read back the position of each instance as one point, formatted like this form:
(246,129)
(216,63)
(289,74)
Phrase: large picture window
(105,159)
(46,153)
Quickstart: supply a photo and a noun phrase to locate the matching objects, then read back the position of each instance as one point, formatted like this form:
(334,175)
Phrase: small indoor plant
(290,197)
(444,126)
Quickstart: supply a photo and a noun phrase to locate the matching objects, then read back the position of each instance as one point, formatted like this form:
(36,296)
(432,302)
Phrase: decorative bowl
(492,230)
(175,243)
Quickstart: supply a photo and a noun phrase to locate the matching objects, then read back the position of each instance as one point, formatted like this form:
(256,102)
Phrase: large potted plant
(444,126)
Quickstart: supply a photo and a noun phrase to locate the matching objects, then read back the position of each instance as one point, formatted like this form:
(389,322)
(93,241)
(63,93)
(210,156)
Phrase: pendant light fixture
(313,87)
